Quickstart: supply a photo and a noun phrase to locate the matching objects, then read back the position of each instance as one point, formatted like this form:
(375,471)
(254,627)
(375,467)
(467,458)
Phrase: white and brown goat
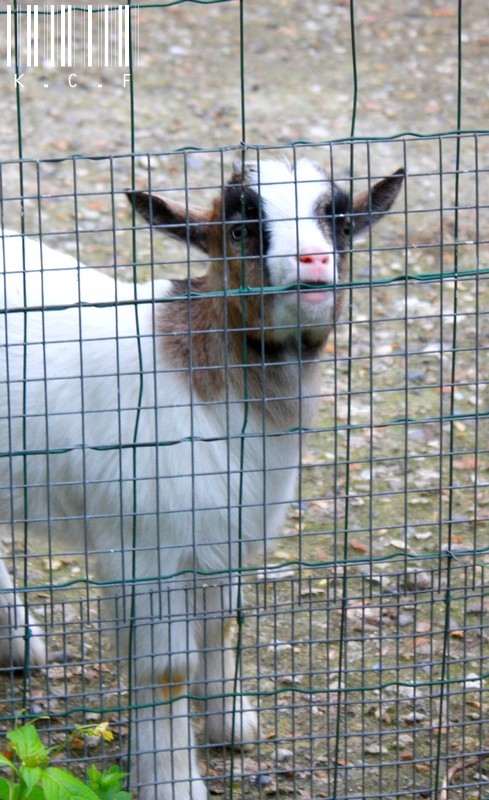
(123,425)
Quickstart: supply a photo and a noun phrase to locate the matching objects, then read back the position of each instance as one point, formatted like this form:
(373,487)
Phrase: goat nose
(316,266)
(314,257)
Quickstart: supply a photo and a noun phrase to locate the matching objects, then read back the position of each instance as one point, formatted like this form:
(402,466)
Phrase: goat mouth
(315,291)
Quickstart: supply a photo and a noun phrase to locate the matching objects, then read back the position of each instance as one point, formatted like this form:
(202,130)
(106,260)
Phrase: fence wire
(362,639)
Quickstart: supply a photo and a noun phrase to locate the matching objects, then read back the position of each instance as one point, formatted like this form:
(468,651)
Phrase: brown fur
(216,357)
(224,339)
(172,685)
(215,338)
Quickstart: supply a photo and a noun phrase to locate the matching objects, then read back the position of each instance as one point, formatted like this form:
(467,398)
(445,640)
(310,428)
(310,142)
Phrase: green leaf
(108,785)
(121,794)
(10,790)
(93,775)
(5,787)
(113,777)
(6,762)
(30,776)
(37,793)
(61,785)
(28,746)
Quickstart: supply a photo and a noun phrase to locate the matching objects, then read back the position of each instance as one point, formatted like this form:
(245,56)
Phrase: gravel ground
(371,660)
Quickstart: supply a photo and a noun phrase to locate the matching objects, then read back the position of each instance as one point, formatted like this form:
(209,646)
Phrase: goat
(103,397)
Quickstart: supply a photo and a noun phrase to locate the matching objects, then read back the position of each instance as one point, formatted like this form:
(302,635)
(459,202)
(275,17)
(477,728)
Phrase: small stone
(93,741)
(283,754)
(423,626)
(77,743)
(417,581)
(279,647)
(416,377)
(290,680)
(177,50)
(473,681)
(261,780)
(274,574)
(406,691)
(476,607)
(415,716)
(334,685)
(90,214)
(359,546)
(375,750)
(454,547)
(399,544)
(53,564)
(406,619)
(313,591)
(217,788)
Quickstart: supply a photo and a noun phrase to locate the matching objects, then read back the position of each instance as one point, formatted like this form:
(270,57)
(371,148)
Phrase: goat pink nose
(314,257)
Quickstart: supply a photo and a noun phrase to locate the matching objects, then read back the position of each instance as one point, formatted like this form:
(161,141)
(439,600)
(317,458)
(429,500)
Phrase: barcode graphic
(61,35)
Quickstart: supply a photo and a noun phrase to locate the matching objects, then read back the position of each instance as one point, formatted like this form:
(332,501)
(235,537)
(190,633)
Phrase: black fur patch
(341,201)
(243,203)
(334,214)
(264,350)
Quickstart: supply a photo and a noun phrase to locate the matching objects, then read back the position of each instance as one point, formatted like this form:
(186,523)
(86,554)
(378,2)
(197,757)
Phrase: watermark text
(53,35)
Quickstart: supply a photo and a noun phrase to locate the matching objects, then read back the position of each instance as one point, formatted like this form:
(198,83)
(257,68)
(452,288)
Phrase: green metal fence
(363,638)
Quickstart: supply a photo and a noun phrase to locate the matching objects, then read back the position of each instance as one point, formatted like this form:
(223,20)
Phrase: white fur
(100,424)
(290,195)
(187,490)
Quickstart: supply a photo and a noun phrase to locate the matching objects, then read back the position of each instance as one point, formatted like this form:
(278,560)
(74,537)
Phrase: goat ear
(241,169)
(175,219)
(371,205)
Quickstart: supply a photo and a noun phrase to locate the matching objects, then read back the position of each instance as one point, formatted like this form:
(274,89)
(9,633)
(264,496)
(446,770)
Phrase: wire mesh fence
(159,429)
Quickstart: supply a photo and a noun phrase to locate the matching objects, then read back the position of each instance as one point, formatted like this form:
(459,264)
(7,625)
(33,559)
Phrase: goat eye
(238,233)
(328,210)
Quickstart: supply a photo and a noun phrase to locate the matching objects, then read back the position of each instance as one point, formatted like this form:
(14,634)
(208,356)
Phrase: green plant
(33,777)
(107,785)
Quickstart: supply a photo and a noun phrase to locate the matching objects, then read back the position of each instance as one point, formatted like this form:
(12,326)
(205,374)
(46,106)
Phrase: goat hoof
(240,729)
(61,657)
(14,655)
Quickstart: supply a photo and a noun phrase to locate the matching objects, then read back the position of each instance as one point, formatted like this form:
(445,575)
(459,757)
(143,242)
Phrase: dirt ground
(367,640)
